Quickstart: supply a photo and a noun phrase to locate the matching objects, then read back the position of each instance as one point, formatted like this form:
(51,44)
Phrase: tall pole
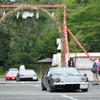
(65,44)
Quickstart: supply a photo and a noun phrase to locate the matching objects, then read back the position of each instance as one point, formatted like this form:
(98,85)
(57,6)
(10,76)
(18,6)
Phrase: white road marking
(69,97)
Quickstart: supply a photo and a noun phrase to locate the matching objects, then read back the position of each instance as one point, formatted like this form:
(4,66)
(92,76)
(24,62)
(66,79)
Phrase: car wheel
(17,79)
(37,79)
(6,79)
(43,87)
(84,90)
(52,89)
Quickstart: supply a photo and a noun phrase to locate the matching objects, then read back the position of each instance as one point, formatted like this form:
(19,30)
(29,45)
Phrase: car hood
(11,74)
(68,78)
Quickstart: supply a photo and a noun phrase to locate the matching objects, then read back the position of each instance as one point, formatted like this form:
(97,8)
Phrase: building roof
(92,54)
(46,60)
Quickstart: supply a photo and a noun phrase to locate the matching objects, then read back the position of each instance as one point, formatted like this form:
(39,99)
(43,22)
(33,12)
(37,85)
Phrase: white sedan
(27,74)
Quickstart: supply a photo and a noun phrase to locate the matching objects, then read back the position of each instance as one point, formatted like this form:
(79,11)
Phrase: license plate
(83,86)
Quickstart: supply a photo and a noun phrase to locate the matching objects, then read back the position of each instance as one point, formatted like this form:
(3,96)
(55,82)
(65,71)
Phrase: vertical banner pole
(66,49)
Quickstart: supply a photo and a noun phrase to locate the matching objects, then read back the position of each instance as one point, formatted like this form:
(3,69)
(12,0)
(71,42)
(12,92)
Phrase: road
(32,91)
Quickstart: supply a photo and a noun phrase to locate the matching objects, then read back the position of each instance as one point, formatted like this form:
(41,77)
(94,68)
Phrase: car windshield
(12,72)
(28,72)
(64,71)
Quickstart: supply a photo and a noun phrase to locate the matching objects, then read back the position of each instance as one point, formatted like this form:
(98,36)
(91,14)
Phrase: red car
(11,75)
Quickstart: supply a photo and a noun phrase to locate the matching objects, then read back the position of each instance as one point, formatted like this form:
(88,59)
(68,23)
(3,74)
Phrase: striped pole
(31,5)
(79,44)
(66,49)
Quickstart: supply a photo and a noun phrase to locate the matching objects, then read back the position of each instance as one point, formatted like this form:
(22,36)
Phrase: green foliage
(85,25)
(4,46)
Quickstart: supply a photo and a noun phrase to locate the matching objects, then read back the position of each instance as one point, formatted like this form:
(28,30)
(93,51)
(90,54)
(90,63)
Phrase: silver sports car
(67,78)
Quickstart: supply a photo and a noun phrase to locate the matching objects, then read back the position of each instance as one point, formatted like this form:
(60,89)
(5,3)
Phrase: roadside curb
(21,82)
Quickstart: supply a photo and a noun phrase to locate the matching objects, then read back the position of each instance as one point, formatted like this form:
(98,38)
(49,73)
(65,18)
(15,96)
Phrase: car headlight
(84,79)
(56,80)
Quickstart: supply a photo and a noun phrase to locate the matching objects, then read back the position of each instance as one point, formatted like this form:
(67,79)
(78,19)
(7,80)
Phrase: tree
(84,27)
(4,47)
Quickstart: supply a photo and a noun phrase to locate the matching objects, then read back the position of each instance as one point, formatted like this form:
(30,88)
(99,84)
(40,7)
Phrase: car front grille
(68,86)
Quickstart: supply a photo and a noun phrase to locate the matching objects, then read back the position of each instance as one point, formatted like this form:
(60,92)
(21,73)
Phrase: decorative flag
(4,13)
(27,14)
(37,15)
(17,15)
(53,13)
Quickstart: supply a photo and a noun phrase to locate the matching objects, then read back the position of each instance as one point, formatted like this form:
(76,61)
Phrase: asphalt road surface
(32,91)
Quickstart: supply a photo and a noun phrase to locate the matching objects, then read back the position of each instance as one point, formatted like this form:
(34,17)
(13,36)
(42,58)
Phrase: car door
(45,78)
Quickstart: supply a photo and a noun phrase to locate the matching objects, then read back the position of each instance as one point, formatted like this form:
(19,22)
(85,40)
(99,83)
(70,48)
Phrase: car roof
(13,69)
(28,70)
(62,67)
